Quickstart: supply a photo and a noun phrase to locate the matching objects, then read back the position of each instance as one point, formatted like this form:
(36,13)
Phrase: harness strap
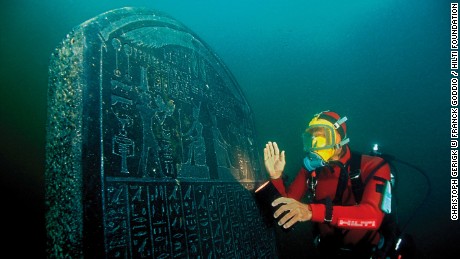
(329,208)
(341,185)
(328,204)
(357,185)
(369,177)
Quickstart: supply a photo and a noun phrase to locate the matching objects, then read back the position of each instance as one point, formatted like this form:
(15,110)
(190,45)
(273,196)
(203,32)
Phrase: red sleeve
(298,187)
(367,214)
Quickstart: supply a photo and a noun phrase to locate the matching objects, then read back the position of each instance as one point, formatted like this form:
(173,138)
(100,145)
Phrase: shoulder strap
(357,185)
(341,185)
(355,178)
(371,174)
(355,161)
(359,191)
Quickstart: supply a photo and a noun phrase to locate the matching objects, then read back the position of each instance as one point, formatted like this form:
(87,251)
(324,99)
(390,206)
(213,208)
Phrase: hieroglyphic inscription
(117,229)
(166,154)
(160,222)
(177,223)
(187,220)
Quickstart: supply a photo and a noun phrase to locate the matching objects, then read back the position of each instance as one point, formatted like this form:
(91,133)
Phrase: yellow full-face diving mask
(320,139)
(321,136)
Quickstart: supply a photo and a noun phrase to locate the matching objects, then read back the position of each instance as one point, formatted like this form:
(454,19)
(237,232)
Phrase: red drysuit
(353,220)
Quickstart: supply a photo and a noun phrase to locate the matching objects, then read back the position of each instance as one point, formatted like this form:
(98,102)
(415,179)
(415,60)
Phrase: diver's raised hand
(274,160)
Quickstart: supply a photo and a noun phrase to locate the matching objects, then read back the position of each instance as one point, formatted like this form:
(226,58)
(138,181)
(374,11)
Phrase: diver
(348,198)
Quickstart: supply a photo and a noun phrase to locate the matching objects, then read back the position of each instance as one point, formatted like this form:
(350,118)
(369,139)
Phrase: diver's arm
(297,211)
(366,215)
(298,187)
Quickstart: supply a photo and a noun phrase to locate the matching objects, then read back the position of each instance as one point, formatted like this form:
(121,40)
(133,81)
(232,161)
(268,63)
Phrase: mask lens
(318,142)
(318,137)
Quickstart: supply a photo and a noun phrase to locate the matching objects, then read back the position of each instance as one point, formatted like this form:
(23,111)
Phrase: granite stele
(151,146)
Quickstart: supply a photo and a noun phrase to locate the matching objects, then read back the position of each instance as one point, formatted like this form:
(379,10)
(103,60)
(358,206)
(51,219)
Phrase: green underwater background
(383,64)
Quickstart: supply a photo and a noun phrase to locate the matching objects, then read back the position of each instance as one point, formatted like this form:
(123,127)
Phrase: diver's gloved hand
(313,161)
(274,160)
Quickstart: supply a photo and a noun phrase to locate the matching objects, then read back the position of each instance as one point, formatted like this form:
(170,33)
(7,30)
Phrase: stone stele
(150,146)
